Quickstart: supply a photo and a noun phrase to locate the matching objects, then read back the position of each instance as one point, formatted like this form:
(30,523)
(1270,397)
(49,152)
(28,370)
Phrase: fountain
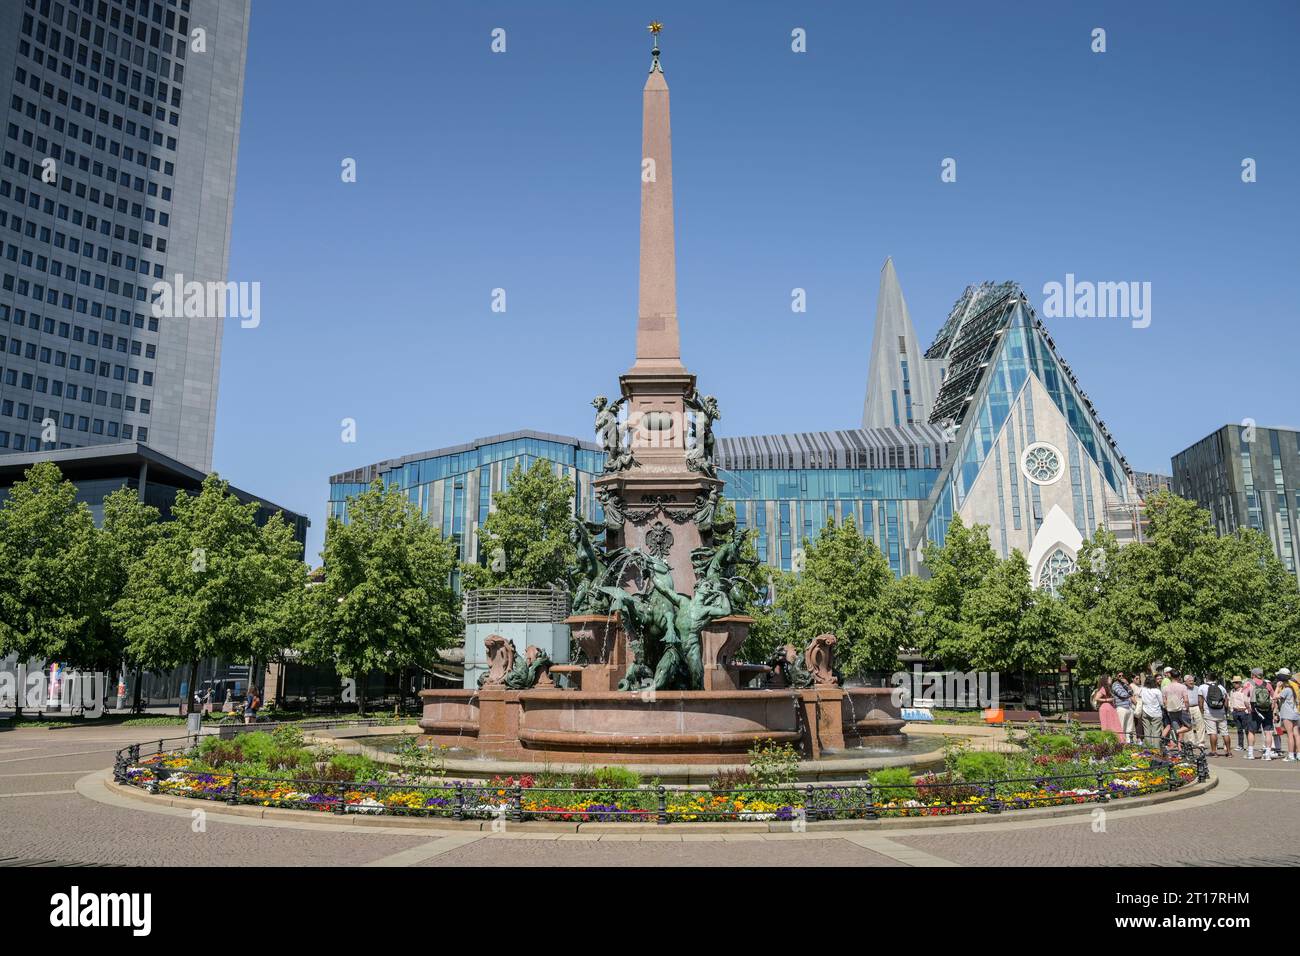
(656,581)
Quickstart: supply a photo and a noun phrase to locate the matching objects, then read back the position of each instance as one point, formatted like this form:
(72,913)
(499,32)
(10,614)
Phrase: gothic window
(1054,569)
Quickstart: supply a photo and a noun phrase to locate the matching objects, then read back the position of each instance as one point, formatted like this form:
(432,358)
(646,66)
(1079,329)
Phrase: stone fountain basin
(705,721)
(673,726)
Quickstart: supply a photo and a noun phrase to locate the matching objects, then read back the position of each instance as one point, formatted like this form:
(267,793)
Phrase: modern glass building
(1032,458)
(1247,477)
(785,487)
(454,486)
(1012,442)
(117,170)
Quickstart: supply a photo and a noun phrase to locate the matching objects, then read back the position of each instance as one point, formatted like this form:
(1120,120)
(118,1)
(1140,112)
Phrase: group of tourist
(1167,708)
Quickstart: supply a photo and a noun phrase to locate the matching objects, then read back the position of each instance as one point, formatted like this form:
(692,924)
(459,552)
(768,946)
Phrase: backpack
(1214,697)
(1261,698)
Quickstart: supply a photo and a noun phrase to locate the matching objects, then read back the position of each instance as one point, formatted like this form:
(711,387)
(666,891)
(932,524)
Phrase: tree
(957,571)
(524,543)
(387,600)
(1184,595)
(50,603)
(203,587)
(1008,625)
(841,591)
(129,528)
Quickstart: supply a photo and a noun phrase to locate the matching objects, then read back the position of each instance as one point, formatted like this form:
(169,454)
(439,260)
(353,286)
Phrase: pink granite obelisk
(658,345)
(659,492)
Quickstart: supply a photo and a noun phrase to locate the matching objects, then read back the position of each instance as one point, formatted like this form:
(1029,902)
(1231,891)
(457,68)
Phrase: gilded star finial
(654,28)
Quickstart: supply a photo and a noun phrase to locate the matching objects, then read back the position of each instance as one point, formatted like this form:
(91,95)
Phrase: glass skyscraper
(117,171)
(1247,477)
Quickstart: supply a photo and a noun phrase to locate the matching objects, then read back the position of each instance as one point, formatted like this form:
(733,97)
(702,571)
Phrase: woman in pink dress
(1105,704)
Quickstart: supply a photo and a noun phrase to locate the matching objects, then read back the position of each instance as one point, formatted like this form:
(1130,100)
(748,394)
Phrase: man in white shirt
(1216,717)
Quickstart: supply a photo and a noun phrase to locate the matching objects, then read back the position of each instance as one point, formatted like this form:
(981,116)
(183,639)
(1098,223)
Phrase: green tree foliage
(50,583)
(202,587)
(957,570)
(129,529)
(525,543)
(1183,595)
(1008,625)
(841,591)
(386,602)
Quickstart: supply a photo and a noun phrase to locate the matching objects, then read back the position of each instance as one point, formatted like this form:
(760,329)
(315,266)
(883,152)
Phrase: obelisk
(659,493)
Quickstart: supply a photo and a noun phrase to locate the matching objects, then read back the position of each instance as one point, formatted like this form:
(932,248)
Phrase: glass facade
(454,487)
(1246,476)
(783,506)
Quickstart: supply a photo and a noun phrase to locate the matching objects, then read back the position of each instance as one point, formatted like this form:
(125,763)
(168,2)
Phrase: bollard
(233,796)
(516,799)
(991,801)
(663,804)
(809,806)
(1102,795)
(460,800)
(871,801)
(341,805)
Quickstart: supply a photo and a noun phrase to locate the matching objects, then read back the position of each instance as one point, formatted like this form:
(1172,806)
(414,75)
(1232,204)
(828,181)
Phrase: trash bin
(194,723)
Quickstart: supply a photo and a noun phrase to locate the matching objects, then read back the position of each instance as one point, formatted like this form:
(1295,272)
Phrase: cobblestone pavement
(44,815)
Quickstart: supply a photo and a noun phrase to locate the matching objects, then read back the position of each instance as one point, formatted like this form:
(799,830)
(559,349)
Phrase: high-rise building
(1246,477)
(118,171)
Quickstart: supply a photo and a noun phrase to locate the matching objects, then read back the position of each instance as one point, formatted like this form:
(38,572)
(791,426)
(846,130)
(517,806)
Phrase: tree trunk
(190,689)
(137,705)
(361,694)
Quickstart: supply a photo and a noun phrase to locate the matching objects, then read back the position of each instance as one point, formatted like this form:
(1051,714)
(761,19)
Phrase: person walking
(1288,708)
(1177,705)
(1152,712)
(1105,704)
(1194,710)
(251,704)
(1260,716)
(1214,698)
(1123,693)
(1239,707)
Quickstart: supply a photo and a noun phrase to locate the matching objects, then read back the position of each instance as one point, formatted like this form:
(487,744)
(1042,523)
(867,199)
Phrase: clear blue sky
(520,170)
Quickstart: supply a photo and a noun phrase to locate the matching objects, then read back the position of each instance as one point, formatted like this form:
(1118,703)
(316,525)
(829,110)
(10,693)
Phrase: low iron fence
(162,768)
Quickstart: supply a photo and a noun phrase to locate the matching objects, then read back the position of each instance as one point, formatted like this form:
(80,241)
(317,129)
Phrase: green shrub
(361,768)
(288,737)
(893,784)
(257,746)
(980,765)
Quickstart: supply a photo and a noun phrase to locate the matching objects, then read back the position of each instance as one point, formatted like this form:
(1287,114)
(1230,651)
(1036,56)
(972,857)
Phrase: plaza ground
(55,807)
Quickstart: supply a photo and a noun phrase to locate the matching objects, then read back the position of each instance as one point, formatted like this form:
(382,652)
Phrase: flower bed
(615,794)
